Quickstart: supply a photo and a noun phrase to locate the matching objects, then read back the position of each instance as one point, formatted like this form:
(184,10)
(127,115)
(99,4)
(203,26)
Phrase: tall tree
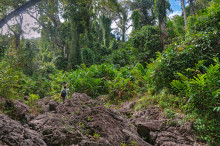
(162,7)
(106,25)
(192,7)
(184,12)
(17,30)
(76,15)
(146,9)
(136,20)
(161,12)
(121,17)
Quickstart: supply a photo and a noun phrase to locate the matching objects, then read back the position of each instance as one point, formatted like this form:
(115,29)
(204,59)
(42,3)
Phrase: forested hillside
(114,51)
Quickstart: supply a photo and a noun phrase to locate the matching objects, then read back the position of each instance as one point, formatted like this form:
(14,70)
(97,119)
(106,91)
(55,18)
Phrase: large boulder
(17,110)
(14,134)
(109,125)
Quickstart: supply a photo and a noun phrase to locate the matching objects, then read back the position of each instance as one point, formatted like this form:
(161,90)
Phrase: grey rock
(13,133)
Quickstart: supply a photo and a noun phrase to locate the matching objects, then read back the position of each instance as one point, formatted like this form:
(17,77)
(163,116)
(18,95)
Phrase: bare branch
(9,27)
(18,11)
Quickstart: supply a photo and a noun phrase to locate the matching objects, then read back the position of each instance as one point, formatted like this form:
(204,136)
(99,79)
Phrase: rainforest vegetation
(172,62)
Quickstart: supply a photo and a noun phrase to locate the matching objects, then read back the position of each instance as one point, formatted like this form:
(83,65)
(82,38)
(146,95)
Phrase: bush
(114,45)
(164,99)
(2,51)
(201,96)
(60,62)
(32,98)
(91,81)
(120,58)
(201,43)
(147,42)
(87,56)
(162,71)
(175,29)
(100,54)
(121,89)
(13,83)
(25,59)
(101,79)
(47,68)
(207,20)
(127,82)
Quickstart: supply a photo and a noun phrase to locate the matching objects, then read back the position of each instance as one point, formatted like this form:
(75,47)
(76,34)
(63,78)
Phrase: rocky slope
(83,121)
(156,129)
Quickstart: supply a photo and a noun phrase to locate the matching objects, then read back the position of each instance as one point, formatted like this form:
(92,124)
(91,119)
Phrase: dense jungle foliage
(172,62)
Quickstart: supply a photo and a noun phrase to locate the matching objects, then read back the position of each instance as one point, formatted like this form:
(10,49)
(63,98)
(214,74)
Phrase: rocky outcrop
(17,110)
(83,121)
(14,134)
(160,131)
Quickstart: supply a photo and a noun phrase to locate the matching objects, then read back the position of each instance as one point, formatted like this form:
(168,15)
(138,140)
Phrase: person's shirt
(66,91)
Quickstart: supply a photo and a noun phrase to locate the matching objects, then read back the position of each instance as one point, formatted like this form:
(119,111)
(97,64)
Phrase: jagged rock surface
(82,121)
(160,131)
(17,110)
(14,134)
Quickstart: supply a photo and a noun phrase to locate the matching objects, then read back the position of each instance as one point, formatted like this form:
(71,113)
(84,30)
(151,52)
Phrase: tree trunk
(107,34)
(106,27)
(18,11)
(124,20)
(17,42)
(17,31)
(184,12)
(162,16)
(123,33)
(162,22)
(65,51)
(74,57)
(192,8)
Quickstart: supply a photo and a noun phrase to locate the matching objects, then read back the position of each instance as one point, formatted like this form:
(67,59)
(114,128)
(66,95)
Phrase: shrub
(207,20)
(121,88)
(2,51)
(175,29)
(47,68)
(87,56)
(25,59)
(120,58)
(201,96)
(33,98)
(164,99)
(147,42)
(201,43)
(114,45)
(91,81)
(162,71)
(101,79)
(60,62)
(11,79)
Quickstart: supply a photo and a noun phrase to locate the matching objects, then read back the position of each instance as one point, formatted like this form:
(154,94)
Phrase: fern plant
(201,96)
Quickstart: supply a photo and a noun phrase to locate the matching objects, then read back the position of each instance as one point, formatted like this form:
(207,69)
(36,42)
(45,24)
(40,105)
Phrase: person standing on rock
(64,93)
